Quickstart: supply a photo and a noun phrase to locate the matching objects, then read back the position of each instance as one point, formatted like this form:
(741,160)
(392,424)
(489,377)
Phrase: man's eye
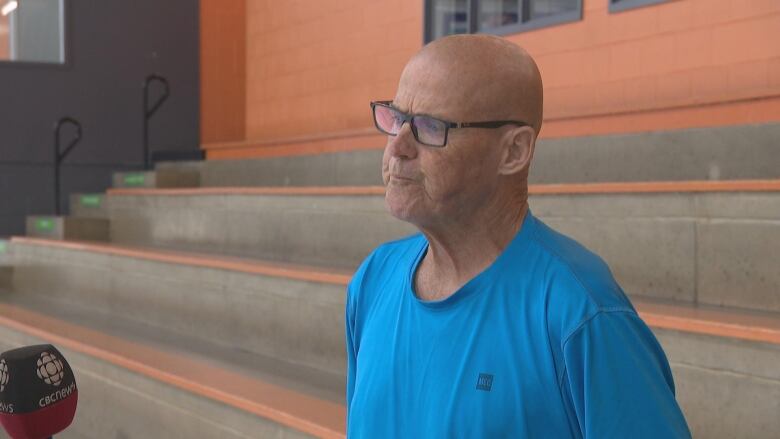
(430,124)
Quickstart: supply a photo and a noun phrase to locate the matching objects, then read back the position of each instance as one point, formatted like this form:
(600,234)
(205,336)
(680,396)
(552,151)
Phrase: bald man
(488,323)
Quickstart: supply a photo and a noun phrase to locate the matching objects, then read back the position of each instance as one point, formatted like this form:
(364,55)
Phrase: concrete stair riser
(165,178)
(353,168)
(118,403)
(296,321)
(68,227)
(726,387)
(88,205)
(337,231)
(690,154)
(723,406)
(713,248)
(6,274)
(739,263)
(5,253)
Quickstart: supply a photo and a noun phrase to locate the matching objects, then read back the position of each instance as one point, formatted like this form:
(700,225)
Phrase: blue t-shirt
(542,344)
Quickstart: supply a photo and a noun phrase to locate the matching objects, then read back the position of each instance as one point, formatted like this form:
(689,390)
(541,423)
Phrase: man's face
(428,185)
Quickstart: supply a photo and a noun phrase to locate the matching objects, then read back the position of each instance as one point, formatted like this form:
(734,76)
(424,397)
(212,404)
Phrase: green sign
(135,179)
(3,246)
(91,200)
(44,224)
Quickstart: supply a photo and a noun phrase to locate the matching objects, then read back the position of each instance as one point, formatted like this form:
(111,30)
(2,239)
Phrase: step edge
(651,187)
(198,260)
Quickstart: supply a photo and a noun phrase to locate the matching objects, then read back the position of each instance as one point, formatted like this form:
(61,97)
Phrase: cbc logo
(50,369)
(3,374)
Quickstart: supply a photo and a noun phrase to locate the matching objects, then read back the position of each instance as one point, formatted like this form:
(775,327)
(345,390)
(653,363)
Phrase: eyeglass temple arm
(491,124)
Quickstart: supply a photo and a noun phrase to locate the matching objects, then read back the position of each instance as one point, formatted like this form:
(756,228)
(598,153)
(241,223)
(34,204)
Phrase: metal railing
(149,112)
(59,156)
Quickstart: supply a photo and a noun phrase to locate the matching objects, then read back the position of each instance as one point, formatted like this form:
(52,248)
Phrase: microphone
(38,392)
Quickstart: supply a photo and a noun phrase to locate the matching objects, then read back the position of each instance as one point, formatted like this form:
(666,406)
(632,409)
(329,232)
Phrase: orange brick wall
(313,66)
(680,53)
(222,70)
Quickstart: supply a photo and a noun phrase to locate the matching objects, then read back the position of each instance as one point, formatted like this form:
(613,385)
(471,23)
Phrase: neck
(459,250)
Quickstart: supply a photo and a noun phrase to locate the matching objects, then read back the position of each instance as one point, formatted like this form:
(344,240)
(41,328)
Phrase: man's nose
(403,144)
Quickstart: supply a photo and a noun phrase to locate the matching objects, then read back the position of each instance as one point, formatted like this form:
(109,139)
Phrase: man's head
(464,78)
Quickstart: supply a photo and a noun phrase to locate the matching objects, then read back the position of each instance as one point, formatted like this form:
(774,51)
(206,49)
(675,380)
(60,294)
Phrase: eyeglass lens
(426,130)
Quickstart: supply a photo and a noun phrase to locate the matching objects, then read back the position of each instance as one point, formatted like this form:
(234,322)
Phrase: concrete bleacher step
(134,383)
(290,313)
(68,227)
(162,178)
(6,269)
(686,241)
(315,226)
(88,205)
(352,168)
(4,252)
(689,154)
(724,364)
(6,273)
(729,353)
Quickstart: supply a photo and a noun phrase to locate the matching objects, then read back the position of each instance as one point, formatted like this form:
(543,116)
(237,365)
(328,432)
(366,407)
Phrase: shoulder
(384,264)
(577,282)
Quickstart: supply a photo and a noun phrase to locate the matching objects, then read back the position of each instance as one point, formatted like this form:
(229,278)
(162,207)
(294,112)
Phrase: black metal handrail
(59,156)
(149,112)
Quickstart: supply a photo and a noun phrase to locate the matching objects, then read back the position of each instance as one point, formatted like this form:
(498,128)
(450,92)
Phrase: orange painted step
(743,325)
(301,412)
(538,189)
(723,322)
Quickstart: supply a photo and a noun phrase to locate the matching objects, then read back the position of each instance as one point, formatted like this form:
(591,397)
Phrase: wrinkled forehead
(459,88)
(440,88)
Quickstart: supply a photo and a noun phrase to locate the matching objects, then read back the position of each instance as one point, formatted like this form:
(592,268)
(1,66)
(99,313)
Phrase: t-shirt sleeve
(356,284)
(618,381)
(350,341)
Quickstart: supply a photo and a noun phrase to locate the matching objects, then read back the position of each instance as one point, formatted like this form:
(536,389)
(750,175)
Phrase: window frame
(523,26)
(66,21)
(626,5)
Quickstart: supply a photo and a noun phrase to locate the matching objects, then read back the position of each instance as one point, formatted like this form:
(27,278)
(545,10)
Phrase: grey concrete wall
(113,45)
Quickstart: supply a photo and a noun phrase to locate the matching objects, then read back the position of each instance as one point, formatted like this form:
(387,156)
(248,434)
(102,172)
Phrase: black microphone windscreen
(38,392)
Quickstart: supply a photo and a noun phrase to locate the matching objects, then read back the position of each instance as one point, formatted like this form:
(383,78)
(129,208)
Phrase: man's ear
(519,145)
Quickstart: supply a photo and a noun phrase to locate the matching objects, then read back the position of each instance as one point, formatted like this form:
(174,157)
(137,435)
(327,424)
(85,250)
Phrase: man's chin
(403,211)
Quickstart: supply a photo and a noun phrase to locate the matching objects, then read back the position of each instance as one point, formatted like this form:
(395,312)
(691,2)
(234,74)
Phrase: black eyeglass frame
(447,124)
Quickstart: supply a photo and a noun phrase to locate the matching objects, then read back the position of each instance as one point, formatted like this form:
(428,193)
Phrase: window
(447,17)
(32,31)
(622,5)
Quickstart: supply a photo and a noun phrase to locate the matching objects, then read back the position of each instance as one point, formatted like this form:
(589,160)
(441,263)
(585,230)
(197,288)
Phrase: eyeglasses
(427,130)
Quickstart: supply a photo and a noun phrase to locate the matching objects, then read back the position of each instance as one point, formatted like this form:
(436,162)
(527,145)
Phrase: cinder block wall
(312,67)
(223,40)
